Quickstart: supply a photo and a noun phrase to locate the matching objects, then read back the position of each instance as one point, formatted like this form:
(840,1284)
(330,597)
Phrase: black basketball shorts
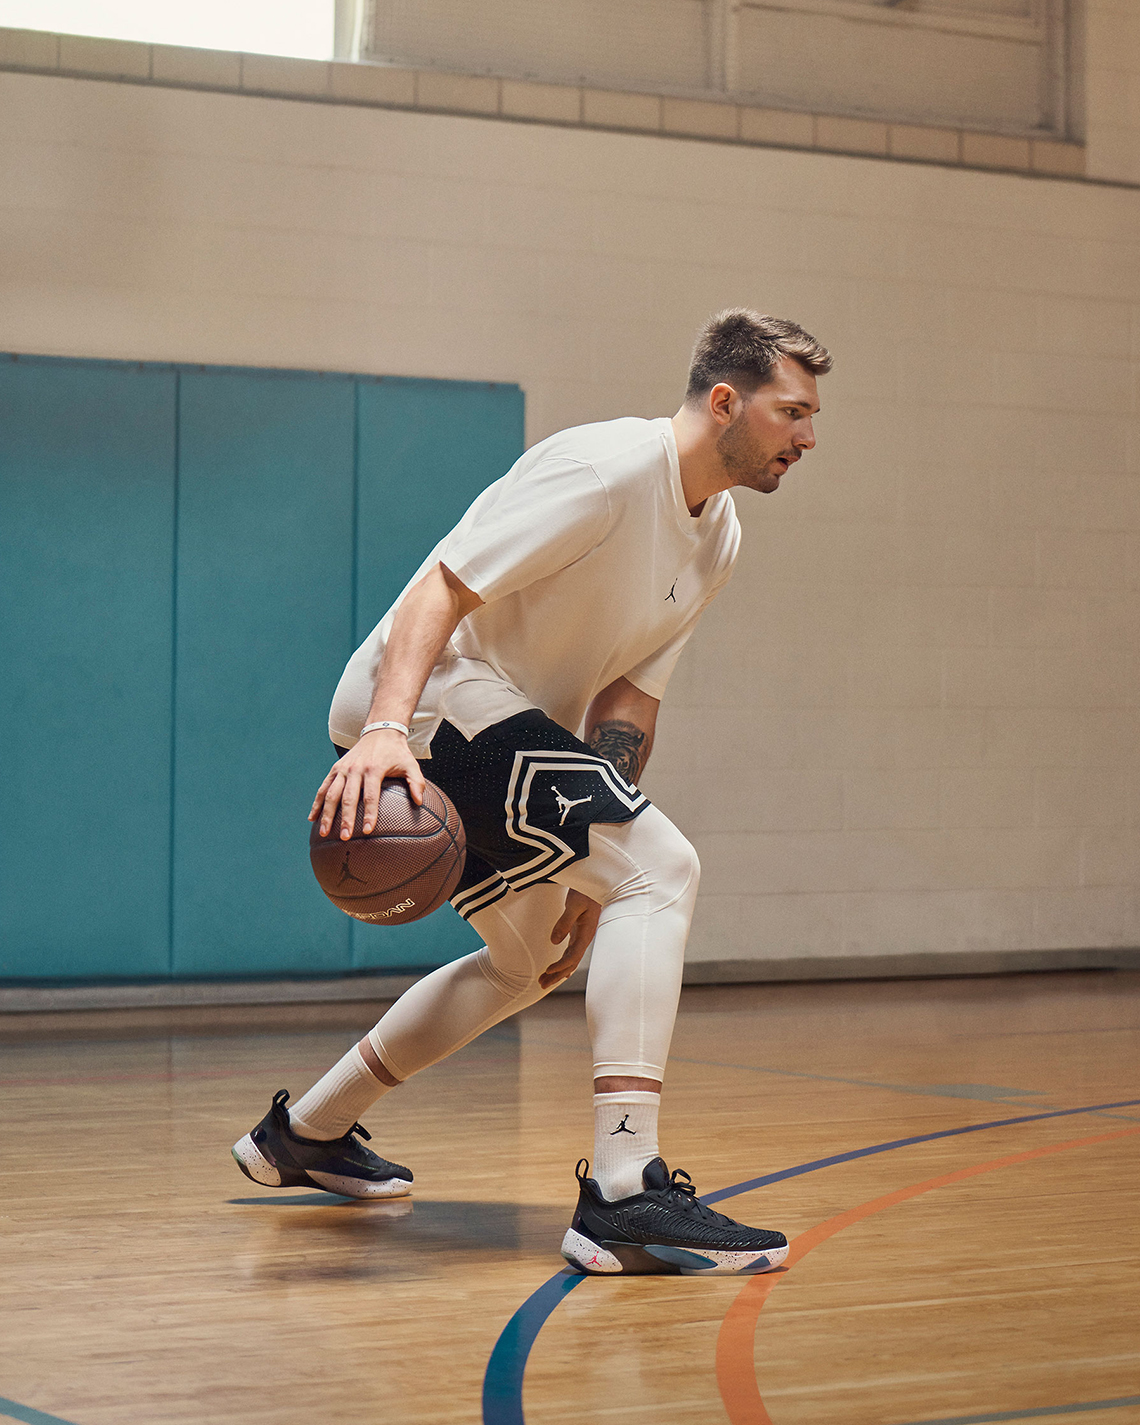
(527,791)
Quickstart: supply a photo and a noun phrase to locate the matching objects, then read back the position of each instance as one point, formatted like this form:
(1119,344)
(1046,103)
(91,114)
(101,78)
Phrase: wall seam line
(173,667)
(354,596)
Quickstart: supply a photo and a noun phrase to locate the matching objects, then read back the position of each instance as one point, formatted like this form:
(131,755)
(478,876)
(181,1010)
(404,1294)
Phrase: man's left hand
(579,921)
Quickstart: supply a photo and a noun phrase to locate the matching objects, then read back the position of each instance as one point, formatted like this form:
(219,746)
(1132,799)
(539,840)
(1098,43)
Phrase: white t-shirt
(590,568)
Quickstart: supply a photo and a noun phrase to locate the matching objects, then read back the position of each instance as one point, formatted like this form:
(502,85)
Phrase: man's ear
(720,400)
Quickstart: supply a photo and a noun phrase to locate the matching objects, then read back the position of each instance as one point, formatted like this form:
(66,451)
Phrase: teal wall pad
(191,554)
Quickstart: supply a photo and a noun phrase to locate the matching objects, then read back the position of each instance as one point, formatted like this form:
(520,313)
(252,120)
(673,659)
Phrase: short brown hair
(742,347)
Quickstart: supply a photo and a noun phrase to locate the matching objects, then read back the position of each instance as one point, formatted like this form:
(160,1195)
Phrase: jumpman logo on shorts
(621,1128)
(346,874)
(671,594)
(565,805)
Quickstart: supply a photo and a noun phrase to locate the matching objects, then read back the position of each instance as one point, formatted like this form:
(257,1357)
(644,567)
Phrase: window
(295,27)
(985,64)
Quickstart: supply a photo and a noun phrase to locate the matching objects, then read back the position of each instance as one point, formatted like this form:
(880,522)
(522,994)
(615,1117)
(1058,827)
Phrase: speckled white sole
(734,1263)
(249,1159)
(358,1187)
(587,1256)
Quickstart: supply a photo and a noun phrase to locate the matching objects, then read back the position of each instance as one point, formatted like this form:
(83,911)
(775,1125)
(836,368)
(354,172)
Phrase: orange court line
(735,1346)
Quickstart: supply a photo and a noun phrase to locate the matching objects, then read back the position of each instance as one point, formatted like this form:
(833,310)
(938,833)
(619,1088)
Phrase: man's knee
(505,973)
(516,935)
(679,866)
(661,849)
(646,862)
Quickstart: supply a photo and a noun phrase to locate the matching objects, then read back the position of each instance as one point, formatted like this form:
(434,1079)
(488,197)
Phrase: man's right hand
(428,614)
(360,774)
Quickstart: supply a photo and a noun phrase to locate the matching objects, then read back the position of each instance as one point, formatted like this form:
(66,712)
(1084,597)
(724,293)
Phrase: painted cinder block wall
(1111,70)
(910,725)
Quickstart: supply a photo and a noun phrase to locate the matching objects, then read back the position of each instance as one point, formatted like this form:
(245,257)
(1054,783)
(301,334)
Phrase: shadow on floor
(330,1236)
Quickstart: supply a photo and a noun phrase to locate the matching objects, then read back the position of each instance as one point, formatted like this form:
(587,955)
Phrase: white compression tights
(644,875)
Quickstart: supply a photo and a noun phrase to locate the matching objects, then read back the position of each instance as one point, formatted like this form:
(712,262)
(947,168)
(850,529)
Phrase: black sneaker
(274,1156)
(666,1228)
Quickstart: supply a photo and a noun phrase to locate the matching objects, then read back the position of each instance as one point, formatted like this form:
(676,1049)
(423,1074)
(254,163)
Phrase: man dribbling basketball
(559,605)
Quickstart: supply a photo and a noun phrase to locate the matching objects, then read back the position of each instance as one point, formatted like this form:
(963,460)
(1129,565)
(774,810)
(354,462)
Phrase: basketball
(405,869)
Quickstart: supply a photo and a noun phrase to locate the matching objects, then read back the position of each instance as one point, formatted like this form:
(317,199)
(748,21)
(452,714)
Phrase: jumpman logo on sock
(346,874)
(621,1128)
(565,804)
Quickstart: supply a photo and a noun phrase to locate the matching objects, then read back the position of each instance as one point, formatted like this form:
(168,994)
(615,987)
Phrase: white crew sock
(334,1103)
(625,1139)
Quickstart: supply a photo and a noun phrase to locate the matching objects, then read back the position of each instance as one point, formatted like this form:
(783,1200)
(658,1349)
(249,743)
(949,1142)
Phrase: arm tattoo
(623,744)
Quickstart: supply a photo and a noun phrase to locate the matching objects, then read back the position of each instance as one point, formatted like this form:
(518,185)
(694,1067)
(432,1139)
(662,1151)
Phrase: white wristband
(389,726)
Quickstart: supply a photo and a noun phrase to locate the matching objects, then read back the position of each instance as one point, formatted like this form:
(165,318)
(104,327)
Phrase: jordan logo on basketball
(621,1128)
(346,874)
(565,804)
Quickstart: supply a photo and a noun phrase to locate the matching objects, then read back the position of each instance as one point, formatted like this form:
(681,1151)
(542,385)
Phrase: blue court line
(29,1416)
(1076,1409)
(503,1381)
(811,1167)
(502,1384)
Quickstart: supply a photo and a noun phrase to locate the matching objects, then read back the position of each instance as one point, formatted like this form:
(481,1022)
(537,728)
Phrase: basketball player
(522,670)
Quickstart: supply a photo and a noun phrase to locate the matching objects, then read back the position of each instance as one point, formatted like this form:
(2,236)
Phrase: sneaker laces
(688,1199)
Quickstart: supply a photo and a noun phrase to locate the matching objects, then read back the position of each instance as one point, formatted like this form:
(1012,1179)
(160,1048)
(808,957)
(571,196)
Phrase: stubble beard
(740,457)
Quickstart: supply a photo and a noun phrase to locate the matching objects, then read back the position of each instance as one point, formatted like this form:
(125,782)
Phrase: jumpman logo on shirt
(346,874)
(621,1128)
(565,804)
(671,594)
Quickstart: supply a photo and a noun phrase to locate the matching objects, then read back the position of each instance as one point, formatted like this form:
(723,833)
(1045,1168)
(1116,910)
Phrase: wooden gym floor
(972,1276)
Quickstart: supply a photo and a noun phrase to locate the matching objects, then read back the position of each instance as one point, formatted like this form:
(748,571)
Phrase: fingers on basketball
(404,868)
